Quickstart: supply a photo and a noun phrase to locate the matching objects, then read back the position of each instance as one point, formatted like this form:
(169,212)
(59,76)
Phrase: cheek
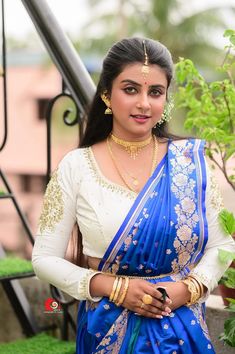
(159,105)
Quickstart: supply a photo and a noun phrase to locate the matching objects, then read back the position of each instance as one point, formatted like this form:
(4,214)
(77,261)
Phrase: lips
(140,116)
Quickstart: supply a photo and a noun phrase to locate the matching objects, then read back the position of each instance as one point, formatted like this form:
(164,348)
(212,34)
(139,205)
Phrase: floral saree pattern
(161,239)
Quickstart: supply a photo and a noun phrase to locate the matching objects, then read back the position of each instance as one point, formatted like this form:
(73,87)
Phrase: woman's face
(137,101)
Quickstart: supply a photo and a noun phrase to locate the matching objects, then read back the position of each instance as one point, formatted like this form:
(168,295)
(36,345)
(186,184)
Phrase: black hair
(97,126)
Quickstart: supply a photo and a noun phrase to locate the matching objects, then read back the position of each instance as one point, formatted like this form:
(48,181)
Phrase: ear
(106,94)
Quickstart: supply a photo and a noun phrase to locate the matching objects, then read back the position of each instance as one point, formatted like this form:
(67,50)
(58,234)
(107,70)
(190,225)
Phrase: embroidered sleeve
(209,269)
(53,205)
(56,222)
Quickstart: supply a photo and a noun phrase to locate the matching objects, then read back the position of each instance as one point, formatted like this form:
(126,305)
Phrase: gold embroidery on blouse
(53,206)
(187,217)
(102,180)
(215,194)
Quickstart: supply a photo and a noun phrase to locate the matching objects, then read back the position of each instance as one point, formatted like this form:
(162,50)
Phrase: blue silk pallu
(161,239)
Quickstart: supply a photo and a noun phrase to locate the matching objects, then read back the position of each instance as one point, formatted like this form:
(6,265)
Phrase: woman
(147,213)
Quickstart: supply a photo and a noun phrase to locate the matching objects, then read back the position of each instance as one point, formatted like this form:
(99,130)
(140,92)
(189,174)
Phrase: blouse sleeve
(210,269)
(56,222)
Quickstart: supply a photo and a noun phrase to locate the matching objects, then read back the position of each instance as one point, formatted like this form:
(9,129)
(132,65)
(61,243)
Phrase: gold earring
(166,116)
(107,102)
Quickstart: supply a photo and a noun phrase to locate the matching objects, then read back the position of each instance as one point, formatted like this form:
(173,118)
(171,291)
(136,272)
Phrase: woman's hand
(101,285)
(178,292)
(134,299)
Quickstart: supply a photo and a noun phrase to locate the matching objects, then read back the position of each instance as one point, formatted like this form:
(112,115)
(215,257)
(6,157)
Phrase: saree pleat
(163,235)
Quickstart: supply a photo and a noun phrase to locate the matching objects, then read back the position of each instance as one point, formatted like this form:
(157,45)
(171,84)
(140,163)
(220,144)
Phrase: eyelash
(131,90)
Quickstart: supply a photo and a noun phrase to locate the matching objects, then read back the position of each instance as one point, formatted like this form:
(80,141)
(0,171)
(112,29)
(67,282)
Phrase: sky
(73,14)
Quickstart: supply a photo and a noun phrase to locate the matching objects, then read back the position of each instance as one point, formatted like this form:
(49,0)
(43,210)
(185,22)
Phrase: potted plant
(210,115)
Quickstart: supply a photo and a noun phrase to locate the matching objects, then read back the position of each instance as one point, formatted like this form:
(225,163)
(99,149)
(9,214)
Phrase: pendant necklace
(135,181)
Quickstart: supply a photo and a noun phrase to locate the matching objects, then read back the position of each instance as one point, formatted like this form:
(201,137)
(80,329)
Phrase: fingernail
(169,301)
(165,313)
(159,316)
(167,309)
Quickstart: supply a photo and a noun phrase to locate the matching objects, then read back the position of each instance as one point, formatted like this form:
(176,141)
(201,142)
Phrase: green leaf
(227,221)
(232,39)
(229,332)
(229,32)
(226,256)
(228,279)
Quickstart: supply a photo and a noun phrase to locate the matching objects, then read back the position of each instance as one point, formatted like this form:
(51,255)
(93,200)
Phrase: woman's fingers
(144,299)
(151,311)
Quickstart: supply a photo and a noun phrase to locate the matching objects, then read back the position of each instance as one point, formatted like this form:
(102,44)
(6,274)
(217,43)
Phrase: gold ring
(147,299)
(142,305)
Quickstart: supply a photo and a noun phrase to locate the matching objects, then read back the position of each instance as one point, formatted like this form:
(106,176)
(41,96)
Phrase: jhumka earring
(166,116)
(107,102)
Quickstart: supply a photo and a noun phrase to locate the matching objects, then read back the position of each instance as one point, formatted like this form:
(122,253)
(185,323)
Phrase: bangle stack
(118,294)
(195,288)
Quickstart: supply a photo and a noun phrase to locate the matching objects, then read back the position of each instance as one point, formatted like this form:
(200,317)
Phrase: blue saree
(161,239)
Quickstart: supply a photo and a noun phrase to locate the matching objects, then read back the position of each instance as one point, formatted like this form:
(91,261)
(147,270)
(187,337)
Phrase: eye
(156,92)
(130,90)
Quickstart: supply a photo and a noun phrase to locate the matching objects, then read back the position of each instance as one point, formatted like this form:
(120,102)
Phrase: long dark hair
(97,126)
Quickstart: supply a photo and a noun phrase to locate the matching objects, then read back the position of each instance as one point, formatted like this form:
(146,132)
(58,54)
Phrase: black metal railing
(78,89)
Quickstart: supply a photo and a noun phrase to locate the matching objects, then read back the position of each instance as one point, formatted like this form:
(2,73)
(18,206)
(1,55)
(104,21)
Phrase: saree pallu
(161,239)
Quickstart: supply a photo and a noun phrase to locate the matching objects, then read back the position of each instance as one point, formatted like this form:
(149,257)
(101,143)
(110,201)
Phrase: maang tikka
(145,67)
(107,102)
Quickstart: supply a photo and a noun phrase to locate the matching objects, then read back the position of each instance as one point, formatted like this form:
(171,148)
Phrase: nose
(143,102)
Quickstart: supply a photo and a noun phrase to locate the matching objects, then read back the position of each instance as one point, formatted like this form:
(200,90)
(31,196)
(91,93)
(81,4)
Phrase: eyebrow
(139,85)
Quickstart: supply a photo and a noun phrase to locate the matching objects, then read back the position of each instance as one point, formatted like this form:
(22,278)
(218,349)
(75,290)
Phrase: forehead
(133,72)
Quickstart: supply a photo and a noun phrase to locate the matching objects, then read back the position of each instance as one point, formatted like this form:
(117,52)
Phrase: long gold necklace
(135,179)
(133,148)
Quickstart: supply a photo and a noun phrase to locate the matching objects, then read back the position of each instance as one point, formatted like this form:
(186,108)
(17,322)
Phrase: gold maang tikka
(145,67)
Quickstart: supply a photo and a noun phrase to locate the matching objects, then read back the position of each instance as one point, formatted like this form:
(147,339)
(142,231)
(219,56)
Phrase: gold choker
(133,148)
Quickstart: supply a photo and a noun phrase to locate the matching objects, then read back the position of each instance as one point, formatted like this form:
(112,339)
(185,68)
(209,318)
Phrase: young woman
(147,210)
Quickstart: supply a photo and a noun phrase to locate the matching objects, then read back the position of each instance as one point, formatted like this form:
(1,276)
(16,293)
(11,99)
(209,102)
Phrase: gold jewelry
(133,148)
(166,115)
(154,162)
(199,283)
(145,67)
(194,289)
(122,298)
(147,299)
(106,100)
(155,150)
(118,288)
(113,289)
(108,111)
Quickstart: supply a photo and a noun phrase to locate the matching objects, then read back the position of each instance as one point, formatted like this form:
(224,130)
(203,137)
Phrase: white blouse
(79,192)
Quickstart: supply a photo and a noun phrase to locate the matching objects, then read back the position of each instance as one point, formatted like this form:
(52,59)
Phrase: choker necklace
(135,180)
(133,148)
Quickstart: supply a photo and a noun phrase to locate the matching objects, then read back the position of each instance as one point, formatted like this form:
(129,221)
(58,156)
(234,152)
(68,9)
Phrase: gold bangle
(122,298)
(118,288)
(113,289)
(193,289)
(199,283)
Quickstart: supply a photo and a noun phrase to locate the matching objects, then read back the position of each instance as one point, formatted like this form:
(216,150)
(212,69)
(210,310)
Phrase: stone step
(39,344)
(15,268)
